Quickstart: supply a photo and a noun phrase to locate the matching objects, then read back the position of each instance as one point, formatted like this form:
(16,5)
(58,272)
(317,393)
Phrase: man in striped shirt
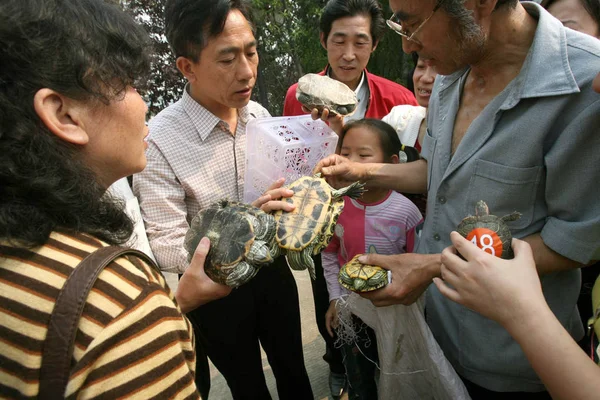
(71,124)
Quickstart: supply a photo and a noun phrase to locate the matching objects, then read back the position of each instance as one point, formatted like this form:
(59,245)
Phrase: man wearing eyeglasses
(513,122)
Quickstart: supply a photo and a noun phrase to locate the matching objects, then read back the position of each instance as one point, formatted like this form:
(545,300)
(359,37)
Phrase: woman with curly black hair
(71,124)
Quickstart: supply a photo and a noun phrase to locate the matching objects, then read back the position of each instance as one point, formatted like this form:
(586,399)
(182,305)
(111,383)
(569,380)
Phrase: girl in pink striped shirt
(381,221)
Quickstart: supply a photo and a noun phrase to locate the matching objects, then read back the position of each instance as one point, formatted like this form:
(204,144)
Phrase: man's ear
(185,66)
(322,40)
(374,46)
(61,115)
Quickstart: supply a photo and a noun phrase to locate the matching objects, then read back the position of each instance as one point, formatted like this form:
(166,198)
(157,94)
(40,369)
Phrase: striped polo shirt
(132,340)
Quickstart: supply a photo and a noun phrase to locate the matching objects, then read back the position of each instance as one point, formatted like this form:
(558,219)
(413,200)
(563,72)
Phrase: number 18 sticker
(487,240)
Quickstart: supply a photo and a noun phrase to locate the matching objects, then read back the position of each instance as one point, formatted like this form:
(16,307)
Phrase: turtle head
(481,209)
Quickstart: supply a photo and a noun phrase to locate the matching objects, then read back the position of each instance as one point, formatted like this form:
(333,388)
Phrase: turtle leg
(265,227)
(276,251)
(353,191)
(294,260)
(307,256)
(242,273)
(511,217)
(307,261)
(301,260)
(259,253)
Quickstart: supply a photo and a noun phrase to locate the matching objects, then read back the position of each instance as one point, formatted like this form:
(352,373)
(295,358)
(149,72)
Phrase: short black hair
(86,50)
(190,23)
(336,9)
(388,138)
(591,6)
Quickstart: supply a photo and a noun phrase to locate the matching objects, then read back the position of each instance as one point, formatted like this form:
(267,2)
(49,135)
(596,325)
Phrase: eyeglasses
(397,27)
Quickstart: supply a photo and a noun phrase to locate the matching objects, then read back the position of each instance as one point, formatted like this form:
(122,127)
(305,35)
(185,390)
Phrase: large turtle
(361,278)
(320,91)
(489,232)
(240,239)
(307,229)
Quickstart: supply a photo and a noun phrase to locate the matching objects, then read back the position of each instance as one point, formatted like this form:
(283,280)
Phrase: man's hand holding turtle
(412,273)
(271,200)
(340,171)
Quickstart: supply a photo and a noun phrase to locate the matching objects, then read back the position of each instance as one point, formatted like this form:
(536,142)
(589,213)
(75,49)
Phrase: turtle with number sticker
(489,232)
(361,278)
(307,229)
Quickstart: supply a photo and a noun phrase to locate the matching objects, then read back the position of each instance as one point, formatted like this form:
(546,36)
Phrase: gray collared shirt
(534,149)
(193,161)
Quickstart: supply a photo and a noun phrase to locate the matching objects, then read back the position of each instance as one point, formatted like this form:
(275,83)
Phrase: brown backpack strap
(64,321)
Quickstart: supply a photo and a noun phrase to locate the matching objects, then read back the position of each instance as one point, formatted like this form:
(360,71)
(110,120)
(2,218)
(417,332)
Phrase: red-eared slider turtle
(362,278)
(321,91)
(307,227)
(489,232)
(240,239)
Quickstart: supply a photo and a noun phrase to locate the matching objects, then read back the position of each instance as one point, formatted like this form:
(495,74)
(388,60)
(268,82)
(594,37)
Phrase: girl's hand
(331,318)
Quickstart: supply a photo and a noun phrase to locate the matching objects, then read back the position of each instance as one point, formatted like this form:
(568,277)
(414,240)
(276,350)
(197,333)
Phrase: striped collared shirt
(132,341)
(193,161)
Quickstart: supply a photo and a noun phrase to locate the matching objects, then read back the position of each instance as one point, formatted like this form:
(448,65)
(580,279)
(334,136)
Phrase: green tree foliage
(165,84)
(288,35)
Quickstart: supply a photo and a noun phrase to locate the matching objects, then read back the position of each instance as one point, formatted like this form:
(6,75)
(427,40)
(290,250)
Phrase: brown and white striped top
(132,340)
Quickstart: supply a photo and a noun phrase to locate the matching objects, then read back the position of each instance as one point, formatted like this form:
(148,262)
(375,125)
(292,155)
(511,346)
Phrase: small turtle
(489,232)
(320,91)
(240,239)
(306,228)
(362,278)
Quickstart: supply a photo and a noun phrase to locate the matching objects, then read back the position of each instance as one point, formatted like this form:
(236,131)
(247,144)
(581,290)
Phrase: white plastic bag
(411,363)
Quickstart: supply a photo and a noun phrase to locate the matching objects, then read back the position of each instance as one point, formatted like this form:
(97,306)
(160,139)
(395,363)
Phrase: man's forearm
(546,259)
(408,178)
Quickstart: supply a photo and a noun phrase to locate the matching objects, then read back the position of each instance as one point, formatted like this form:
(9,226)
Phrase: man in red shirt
(350,32)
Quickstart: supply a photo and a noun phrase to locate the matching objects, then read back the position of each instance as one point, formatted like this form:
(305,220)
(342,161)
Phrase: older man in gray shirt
(514,122)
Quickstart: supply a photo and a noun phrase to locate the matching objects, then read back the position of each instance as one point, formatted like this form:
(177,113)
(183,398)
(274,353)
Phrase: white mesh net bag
(411,364)
(288,147)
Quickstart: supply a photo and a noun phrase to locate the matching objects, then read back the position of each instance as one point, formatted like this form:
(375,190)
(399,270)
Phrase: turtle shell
(299,228)
(361,278)
(335,209)
(231,236)
(489,232)
(262,223)
(320,91)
